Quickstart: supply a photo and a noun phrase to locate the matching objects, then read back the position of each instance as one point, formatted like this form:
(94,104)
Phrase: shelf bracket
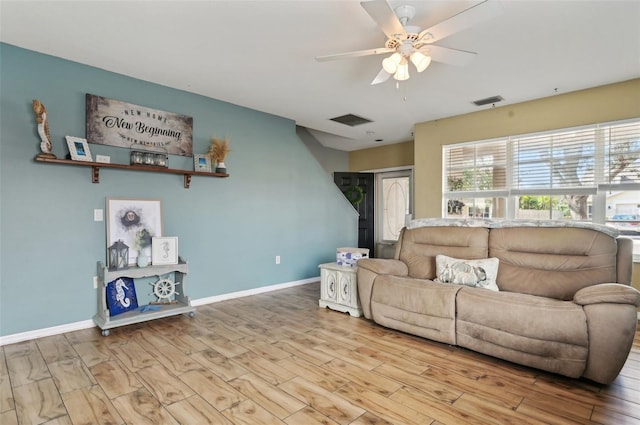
(187,181)
(95,175)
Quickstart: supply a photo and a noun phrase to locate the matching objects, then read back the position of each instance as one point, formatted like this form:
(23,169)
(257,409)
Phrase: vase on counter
(143,260)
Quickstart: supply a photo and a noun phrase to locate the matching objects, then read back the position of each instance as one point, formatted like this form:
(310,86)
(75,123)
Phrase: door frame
(366,206)
(378,207)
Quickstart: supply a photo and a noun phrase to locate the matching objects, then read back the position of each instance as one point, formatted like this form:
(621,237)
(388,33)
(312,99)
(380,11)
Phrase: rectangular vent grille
(488,100)
(350,120)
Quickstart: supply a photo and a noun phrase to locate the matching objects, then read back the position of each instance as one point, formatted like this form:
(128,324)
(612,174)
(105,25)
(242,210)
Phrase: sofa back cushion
(418,247)
(552,262)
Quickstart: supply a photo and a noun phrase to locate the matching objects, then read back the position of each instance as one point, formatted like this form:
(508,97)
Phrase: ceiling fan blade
(355,54)
(447,55)
(381,12)
(474,15)
(381,77)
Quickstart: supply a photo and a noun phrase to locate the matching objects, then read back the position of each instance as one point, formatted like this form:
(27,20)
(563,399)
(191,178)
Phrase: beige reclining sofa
(561,301)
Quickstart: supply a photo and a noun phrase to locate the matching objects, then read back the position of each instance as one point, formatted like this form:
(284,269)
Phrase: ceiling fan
(409,43)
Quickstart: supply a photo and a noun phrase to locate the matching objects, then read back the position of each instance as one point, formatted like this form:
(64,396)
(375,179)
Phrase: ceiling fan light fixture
(420,60)
(391,63)
(403,70)
(404,40)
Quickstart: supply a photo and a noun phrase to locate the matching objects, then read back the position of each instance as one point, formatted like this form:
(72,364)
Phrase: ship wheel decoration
(164,290)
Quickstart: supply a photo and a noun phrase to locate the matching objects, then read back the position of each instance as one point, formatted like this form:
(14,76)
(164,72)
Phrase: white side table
(339,289)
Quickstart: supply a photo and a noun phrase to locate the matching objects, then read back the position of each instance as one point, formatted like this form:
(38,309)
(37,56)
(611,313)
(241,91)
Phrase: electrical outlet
(95,282)
(277,259)
(98,215)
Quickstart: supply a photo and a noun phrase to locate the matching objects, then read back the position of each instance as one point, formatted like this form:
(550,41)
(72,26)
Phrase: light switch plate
(98,215)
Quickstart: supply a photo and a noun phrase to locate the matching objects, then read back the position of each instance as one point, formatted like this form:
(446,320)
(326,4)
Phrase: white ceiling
(261,54)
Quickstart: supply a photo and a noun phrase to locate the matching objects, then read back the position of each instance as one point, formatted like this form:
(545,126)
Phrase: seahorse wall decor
(43,129)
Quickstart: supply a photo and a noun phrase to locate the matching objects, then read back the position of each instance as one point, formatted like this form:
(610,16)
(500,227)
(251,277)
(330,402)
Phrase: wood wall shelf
(96,166)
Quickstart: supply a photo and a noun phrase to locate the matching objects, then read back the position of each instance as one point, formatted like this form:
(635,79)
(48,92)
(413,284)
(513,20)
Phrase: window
(589,173)
(476,179)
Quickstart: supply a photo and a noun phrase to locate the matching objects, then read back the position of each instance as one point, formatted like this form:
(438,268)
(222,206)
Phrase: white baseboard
(255,291)
(86,324)
(40,333)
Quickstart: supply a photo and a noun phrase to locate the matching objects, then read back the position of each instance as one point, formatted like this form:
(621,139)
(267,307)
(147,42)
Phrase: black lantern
(118,255)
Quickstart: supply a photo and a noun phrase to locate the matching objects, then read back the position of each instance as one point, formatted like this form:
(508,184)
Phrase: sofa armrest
(615,293)
(368,270)
(384,266)
(612,318)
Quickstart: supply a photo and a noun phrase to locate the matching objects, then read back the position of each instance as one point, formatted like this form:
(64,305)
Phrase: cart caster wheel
(192,314)
(105,332)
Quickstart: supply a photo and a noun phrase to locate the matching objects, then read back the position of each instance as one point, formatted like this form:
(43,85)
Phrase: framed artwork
(135,222)
(121,295)
(126,125)
(164,250)
(79,149)
(201,162)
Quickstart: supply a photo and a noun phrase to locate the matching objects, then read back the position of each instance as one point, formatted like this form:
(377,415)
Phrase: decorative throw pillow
(121,295)
(476,273)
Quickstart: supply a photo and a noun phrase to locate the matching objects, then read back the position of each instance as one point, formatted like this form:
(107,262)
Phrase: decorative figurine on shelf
(43,130)
(218,152)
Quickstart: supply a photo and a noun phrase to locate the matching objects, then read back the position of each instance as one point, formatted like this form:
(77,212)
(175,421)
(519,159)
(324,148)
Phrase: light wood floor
(277,358)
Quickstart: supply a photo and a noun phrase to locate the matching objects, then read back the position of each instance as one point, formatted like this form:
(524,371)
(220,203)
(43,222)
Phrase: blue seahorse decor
(121,295)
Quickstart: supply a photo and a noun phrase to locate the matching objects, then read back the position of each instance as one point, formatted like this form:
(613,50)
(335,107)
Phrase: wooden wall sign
(114,123)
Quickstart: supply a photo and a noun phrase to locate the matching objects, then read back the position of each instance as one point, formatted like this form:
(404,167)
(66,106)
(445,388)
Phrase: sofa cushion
(535,331)
(552,263)
(420,307)
(418,247)
(479,273)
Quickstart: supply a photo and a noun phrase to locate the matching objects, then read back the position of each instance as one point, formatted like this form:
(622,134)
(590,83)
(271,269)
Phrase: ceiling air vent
(488,100)
(350,120)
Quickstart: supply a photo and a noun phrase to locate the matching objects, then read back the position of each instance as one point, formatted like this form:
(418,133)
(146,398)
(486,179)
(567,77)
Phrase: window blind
(621,156)
(476,167)
(560,160)
(567,161)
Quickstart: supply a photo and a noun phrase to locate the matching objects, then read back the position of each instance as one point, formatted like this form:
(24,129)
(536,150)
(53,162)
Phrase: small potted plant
(218,152)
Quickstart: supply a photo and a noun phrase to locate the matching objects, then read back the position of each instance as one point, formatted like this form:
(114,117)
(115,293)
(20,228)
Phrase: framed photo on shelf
(164,250)
(135,222)
(79,149)
(201,162)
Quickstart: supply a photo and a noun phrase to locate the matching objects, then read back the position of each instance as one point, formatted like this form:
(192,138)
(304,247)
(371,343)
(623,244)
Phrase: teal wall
(277,201)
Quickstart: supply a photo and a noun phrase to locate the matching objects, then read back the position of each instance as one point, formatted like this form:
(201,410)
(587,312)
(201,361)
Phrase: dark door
(358,189)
